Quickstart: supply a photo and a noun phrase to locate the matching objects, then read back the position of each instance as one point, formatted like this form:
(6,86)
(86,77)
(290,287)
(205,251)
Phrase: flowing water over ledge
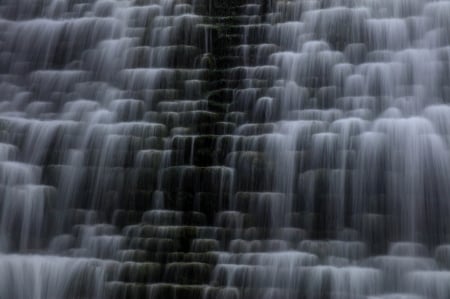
(224,149)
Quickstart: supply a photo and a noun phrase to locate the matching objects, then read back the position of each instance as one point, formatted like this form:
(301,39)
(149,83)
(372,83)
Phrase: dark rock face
(224,149)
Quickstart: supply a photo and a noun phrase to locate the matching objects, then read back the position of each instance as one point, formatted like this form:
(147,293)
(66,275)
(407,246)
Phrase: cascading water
(224,149)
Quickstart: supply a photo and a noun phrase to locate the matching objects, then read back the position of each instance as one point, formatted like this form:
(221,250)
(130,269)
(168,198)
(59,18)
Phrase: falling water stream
(239,149)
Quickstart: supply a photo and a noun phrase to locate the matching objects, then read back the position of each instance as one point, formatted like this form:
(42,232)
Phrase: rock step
(116,290)
(217,128)
(196,179)
(187,257)
(183,105)
(222,80)
(187,273)
(184,119)
(174,56)
(176,232)
(132,272)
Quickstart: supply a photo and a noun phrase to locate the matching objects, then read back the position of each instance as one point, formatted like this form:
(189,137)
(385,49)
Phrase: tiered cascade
(224,149)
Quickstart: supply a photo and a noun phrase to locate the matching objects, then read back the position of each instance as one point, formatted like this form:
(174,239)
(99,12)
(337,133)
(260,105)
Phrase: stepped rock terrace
(240,149)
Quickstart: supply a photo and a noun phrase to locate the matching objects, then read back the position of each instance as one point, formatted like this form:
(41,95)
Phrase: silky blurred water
(199,149)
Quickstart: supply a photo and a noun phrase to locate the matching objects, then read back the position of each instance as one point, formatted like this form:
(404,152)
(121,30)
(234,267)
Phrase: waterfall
(225,149)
